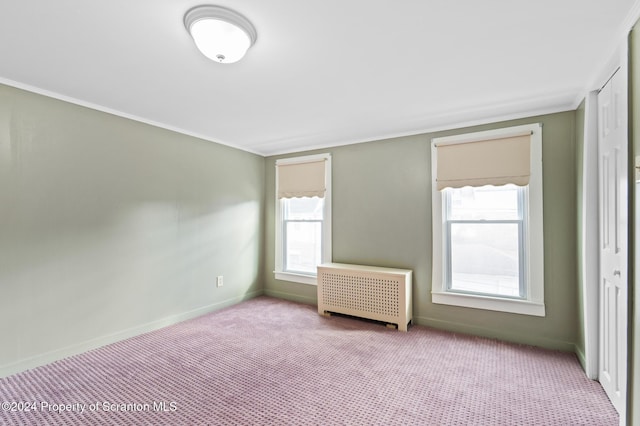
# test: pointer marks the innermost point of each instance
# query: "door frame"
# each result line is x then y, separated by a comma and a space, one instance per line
590, 237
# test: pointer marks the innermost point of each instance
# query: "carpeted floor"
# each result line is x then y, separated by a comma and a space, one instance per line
273, 362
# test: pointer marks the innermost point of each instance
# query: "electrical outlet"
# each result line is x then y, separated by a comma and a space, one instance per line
219, 281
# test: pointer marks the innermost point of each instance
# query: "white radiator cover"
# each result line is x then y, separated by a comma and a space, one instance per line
381, 294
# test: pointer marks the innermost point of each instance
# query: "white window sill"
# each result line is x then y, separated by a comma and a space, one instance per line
524, 307
296, 278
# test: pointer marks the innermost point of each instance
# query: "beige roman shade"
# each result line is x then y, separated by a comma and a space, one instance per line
297, 180
496, 162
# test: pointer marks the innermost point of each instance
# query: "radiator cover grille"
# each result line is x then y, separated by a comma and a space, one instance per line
364, 293
382, 294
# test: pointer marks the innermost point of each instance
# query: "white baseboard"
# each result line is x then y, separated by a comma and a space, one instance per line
78, 348
581, 357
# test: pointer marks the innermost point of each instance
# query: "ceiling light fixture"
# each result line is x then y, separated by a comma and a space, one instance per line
221, 34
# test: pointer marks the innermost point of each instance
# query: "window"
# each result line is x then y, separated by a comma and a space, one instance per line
303, 217
302, 234
485, 240
487, 220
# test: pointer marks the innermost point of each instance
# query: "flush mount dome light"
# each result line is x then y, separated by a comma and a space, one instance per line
221, 34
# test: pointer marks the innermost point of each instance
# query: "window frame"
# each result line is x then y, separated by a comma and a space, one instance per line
300, 277
533, 303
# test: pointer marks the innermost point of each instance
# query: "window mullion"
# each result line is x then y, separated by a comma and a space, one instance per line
487, 221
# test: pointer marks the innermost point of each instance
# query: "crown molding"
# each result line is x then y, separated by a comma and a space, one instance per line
75, 101
615, 55
431, 123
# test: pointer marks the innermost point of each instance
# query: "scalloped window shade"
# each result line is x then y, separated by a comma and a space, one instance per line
484, 162
301, 180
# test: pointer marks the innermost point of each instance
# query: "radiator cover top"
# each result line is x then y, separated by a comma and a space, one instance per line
382, 294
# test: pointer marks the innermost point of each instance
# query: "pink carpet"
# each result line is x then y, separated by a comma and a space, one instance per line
273, 362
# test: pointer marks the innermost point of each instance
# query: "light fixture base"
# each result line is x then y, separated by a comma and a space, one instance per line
198, 13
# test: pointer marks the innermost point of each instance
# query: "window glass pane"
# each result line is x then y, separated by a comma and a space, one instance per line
302, 208
485, 258
484, 203
303, 246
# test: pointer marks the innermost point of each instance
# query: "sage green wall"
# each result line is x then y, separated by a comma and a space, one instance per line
110, 227
382, 216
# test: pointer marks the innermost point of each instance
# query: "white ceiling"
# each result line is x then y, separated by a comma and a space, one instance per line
322, 72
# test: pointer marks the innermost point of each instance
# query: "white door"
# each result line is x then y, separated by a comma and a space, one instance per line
613, 181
